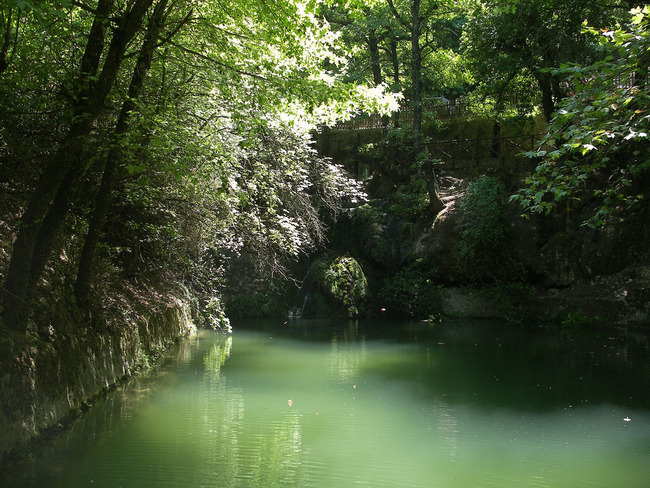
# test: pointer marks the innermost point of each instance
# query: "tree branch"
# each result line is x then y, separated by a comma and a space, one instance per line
164, 40
216, 62
84, 7
397, 15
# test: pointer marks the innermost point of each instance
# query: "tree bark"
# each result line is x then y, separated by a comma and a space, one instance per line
548, 106
427, 169
20, 275
375, 64
49, 203
8, 26
416, 69
396, 71
103, 198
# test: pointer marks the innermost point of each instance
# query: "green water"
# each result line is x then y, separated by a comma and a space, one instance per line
327, 404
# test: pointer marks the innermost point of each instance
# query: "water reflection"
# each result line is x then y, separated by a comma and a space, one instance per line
216, 356
347, 355
322, 405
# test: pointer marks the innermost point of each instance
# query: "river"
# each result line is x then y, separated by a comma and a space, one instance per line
343, 404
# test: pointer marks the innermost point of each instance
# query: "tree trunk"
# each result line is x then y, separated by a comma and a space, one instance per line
375, 59
103, 198
50, 229
545, 86
8, 27
427, 169
495, 150
375, 64
21, 276
416, 68
396, 80
33, 247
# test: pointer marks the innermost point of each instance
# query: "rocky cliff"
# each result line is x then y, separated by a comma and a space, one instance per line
483, 257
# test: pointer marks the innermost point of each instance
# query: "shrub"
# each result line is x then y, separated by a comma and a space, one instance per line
216, 315
483, 230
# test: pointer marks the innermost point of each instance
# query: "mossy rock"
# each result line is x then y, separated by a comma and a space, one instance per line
337, 287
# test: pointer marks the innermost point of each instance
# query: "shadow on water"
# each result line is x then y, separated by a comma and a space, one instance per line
493, 365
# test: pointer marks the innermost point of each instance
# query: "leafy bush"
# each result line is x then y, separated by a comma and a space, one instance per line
597, 139
216, 315
483, 230
410, 201
368, 222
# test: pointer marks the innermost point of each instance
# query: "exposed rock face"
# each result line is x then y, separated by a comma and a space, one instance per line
48, 383
556, 261
468, 303
576, 270
623, 297
573, 269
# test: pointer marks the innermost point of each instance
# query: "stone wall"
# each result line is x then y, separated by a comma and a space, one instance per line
466, 146
46, 384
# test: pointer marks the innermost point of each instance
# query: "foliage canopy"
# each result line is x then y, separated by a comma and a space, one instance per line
156, 140
160, 140
597, 143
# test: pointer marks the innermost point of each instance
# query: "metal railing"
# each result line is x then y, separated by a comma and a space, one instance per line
404, 116
482, 148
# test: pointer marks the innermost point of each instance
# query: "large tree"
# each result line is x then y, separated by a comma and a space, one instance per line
408, 45
96, 73
515, 43
153, 109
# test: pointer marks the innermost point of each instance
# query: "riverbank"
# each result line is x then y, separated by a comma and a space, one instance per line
47, 382
622, 299
479, 257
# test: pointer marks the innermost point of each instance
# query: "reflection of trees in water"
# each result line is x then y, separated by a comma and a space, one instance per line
130, 395
192, 423
217, 355
447, 424
347, 354
248, 448
221, 414
277, 455
536, 370
186, 350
